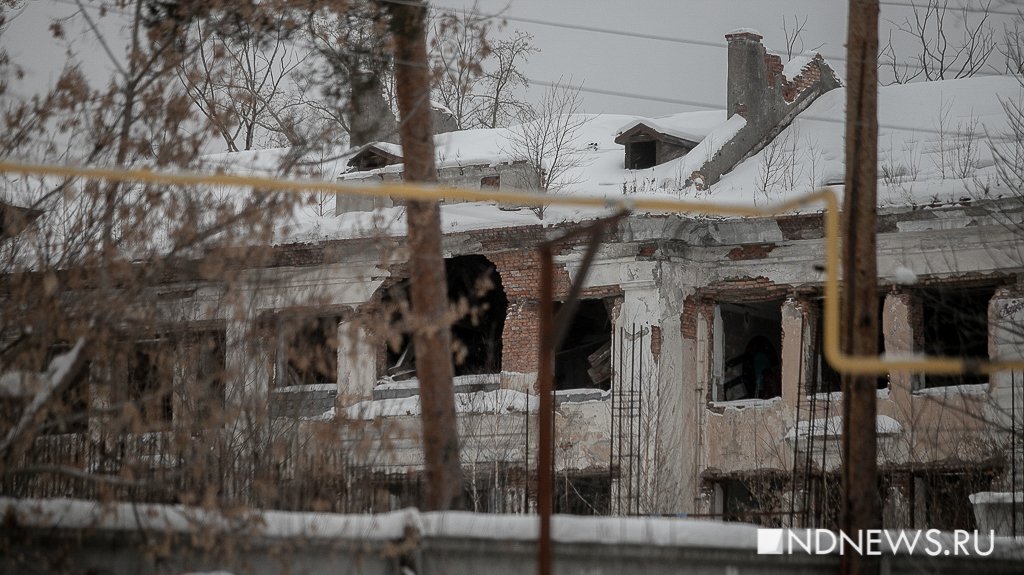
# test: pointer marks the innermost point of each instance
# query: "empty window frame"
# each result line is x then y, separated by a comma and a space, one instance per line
150, 386
584, 360
748, 347
825, 379
71, 413
307, 350
754, 499
940, 499
490, 182
583, 494
476, 292
203, 361
954, 322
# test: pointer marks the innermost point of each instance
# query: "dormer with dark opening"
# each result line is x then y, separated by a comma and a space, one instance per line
376, 155
646, 146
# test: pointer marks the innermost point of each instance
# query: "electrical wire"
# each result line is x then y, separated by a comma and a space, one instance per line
958, 8
654, 37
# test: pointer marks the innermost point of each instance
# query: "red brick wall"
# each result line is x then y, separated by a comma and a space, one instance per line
519, 338
514, 255
520, 277
808, 77
773, 65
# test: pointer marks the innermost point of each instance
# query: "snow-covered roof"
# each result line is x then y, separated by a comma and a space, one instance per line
934, 148
691, 126
386, 147
934, 145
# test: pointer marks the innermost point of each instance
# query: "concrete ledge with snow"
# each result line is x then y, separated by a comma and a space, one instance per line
76, 536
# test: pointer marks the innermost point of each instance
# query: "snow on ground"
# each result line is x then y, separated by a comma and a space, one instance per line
81, 514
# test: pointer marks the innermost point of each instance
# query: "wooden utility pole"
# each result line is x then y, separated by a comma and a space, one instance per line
860, 280
428, 288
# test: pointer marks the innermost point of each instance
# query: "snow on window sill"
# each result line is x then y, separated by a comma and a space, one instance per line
946, 390
581, 395
742, 403
836, 396
306, 388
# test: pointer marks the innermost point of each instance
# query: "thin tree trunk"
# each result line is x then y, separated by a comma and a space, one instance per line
428, 287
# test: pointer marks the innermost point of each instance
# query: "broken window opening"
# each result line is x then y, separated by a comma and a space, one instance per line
71, 413
825, 379
748, 361
205, 388
490, 182
476, 292
151, 382
584, 360
307, 351
954, 323
641, 155
940, 499
583, 494
753, 499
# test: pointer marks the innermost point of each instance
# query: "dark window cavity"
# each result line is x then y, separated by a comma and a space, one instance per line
751, 335
476, 294
954, 322
584, 358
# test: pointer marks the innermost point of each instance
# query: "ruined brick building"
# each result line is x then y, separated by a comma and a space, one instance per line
692, 380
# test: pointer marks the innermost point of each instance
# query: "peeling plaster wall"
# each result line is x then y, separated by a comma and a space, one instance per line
742, 439
1006, 341
667, 272
753, 256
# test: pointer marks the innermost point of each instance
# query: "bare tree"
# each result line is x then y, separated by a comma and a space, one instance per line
501, 81
940, 50
778, 167
1011, 47
352, 68
794, 35
240, 80
546, 136
458, 47
476, 77
82, 320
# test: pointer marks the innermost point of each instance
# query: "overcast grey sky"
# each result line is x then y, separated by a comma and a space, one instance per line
657, 68
646, 67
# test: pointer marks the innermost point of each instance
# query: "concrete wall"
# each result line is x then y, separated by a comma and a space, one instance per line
666, 273
941, 428
424, 544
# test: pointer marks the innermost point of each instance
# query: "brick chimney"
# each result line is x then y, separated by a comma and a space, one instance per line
754, 76
758, 91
